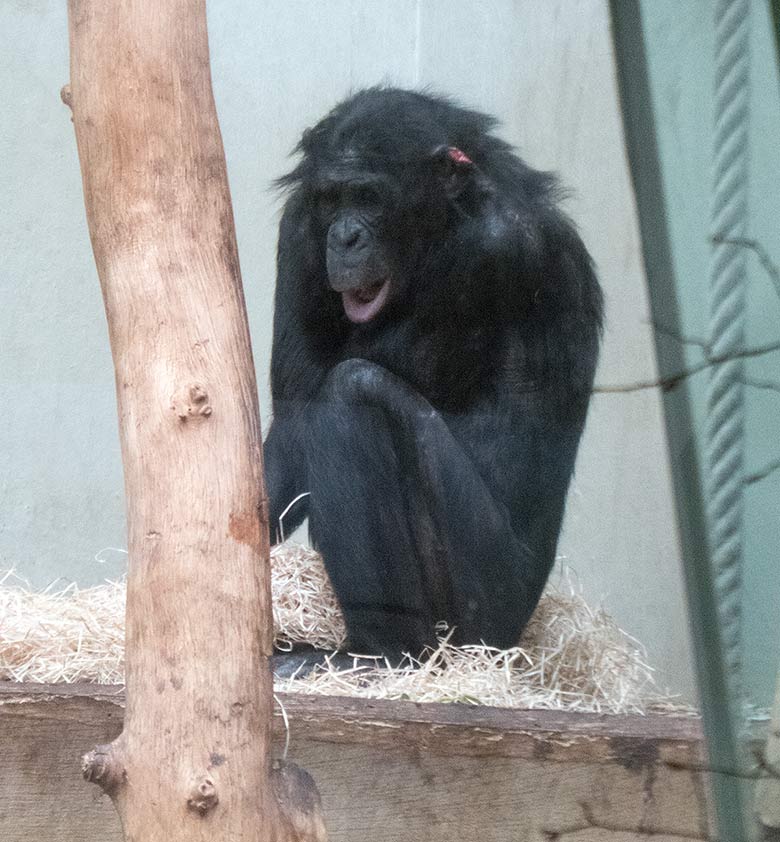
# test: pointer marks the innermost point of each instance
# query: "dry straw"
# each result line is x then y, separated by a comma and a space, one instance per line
571, 656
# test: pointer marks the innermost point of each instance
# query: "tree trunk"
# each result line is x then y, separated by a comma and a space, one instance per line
193, 762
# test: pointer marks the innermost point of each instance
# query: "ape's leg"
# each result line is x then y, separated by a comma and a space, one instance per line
409, 531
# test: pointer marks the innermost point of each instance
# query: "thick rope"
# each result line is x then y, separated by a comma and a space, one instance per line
725, 400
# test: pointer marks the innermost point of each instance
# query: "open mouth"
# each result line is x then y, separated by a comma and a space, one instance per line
361, 304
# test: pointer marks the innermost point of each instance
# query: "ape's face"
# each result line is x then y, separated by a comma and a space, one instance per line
353, 215
380, 203
376, 224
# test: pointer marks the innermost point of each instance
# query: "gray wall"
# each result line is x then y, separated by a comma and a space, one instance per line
544, 67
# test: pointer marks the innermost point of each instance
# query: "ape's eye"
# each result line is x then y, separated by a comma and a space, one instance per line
367, 196
328, 201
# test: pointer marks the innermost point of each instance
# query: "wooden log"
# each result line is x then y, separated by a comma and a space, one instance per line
395, 771
193, 760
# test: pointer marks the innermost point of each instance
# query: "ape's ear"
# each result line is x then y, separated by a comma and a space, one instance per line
455, 169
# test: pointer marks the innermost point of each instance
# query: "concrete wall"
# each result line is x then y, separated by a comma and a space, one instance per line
544, 67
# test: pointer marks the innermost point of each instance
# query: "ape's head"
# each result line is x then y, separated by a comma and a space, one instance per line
385, 185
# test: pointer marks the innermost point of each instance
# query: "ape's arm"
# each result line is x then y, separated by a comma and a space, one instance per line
299, 363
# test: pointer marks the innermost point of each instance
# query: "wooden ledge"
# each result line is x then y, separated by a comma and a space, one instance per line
447, 729
398, 771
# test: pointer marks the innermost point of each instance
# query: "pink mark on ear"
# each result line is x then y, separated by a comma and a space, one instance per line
454, 154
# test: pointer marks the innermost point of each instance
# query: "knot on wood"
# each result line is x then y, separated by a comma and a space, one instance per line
191, 401
101, 766
203, 795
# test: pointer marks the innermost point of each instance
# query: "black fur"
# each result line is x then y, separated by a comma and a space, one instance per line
437, 439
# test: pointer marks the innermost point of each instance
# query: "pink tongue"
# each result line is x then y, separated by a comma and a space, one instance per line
363, 303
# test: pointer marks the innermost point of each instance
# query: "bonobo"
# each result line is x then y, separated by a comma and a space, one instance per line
436, 329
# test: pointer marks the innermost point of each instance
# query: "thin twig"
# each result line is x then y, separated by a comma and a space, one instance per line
763, 255
763, 473
669, 382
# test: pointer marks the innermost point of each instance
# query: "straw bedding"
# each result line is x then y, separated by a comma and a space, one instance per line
571, 656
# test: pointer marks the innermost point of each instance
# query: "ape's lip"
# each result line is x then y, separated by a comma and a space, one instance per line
361, 304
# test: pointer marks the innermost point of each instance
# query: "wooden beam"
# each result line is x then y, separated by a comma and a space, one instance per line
396, 771
447, 729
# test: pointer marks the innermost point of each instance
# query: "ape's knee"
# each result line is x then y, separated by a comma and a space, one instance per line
354, 381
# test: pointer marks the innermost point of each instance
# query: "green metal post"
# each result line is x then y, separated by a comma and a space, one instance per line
717, 708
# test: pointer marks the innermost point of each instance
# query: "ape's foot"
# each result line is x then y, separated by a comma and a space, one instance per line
304, 659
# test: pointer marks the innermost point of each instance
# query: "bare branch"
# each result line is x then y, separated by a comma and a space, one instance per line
667, 383
758, 383
763, 473
684, 340
763, 255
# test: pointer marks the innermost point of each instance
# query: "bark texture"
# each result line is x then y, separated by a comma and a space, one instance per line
193, 761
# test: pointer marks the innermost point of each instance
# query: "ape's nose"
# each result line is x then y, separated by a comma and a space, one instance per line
348, 235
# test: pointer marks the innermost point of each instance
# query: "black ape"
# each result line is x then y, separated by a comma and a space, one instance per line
435, 337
